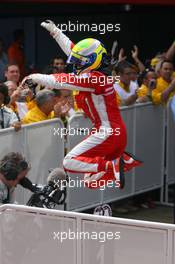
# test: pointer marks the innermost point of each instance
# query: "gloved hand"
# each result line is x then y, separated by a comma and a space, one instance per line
51, 27
27, 184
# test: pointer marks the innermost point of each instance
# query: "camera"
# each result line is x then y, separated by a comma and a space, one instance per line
52, 194
32, 86
47, 197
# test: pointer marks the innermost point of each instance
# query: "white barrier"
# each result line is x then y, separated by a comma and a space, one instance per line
33, 235
40, 145
145, 131
149, 146
43, 146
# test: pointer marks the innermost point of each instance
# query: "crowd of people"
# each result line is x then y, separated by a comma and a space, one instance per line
136, 82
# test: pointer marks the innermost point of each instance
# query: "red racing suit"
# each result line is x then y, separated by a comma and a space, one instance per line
107, 140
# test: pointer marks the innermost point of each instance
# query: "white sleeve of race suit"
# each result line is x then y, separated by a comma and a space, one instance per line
63, 41
53, 83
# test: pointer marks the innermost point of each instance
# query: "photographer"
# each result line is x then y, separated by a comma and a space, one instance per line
13, 171
148, 81
7, 117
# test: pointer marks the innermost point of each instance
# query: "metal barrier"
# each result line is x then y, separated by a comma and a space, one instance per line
170, 156
149, 146
41, 146
114, 194
34, 235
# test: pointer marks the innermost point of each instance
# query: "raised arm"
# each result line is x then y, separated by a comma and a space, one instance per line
61, 81
170, 52
135, 57
63, 41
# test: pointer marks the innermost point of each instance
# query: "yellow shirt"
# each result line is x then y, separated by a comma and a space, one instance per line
118, 99
75, 104
35, 115
161, 86
14, 108
31, 104
142, 91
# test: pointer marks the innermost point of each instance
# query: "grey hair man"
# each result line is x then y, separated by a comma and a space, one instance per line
43, 110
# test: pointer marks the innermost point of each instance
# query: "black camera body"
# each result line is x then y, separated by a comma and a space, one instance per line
47, 196
32, 86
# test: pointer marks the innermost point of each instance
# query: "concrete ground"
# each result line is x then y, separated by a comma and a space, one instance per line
162, 214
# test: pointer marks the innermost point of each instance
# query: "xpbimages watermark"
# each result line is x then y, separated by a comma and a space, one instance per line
84, 183
101, 28
87, 78
101, 237
101, 132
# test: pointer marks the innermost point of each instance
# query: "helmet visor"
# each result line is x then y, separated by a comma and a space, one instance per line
77, 59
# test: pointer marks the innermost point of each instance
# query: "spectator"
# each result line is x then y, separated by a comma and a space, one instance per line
148, 83
161, 56
21, 99
15, 51
126, 89
57, 65
165, 87
11, 87
3, 61
7, 117
43, 110
134, 54
12, 73
65, 104
14, 94
67, 95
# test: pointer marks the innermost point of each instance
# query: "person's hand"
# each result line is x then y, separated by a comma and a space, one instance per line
50, 26
14, 97
57, 110
65, 108
62, 108
173, 83
152, 84
135, 52
17, 126
143, 99
131, 99
26, 93
71, 101
121, 55
134, 96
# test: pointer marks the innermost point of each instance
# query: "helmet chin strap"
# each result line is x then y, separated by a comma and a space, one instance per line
81, 70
